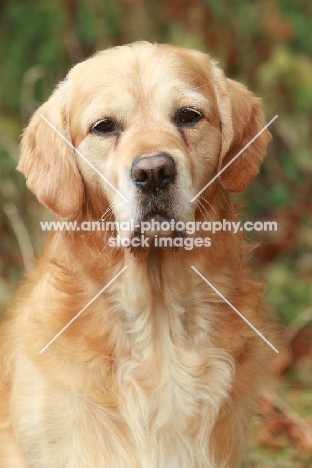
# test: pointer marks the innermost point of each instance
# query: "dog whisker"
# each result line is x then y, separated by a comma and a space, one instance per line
202, 208
215, 212
106, 216
228, 204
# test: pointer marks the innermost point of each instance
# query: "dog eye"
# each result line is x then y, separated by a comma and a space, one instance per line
188, 116
104, 127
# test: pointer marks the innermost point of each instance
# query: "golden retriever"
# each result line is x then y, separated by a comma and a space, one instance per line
158, 371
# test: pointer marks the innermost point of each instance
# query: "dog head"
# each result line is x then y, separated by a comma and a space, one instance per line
147, 123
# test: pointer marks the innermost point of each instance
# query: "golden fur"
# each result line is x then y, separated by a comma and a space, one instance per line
158, 372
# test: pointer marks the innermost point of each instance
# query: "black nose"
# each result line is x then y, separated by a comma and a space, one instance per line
153, 172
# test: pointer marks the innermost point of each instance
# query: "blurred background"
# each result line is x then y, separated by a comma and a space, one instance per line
266, 44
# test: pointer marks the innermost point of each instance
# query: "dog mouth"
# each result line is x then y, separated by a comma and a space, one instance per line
154, 227
156, 217
154, 176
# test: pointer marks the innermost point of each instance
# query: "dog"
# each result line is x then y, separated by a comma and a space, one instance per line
158, 370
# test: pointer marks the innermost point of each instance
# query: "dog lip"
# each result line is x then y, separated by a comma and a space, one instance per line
160, 215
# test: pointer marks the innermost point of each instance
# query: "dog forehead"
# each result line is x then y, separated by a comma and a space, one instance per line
141, 68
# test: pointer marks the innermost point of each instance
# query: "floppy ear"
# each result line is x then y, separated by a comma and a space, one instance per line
48, 162
242, 118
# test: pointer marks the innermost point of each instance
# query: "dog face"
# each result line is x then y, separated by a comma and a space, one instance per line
157, 121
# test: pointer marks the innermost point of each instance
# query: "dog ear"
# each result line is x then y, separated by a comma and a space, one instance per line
242, 118
48, 162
